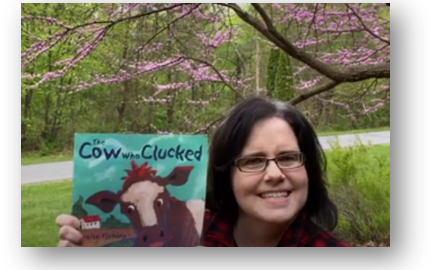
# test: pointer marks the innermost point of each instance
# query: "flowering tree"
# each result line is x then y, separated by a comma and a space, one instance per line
90, 35
364, 53
197, 55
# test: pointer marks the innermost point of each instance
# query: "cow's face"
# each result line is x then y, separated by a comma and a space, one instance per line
143, 201
146, 204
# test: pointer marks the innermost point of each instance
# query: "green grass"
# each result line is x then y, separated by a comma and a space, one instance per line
382, 150
40, 206
332, 133
42, 203
36, 158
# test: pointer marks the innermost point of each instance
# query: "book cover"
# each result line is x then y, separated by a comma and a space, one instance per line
140, 190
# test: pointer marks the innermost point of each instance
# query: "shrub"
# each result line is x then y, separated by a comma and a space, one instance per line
359, 184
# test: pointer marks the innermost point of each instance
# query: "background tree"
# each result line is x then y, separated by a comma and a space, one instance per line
178, 67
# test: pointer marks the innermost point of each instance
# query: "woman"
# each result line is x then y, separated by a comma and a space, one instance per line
266, 182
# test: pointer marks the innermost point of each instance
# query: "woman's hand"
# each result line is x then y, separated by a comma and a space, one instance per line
69, 233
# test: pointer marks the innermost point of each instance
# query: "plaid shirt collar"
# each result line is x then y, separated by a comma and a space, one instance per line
218, 232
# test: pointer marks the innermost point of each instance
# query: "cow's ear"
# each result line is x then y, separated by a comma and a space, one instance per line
178, 176
104, 200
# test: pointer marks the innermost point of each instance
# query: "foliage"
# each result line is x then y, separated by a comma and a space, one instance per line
359, 178
152, 68
111, 222
78, 209
284, 86
272, 68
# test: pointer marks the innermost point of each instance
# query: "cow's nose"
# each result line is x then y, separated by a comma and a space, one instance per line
144, 238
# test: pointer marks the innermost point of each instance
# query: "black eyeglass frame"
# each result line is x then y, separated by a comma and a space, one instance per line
275, 160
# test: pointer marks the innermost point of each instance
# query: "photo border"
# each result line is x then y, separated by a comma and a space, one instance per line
408, 188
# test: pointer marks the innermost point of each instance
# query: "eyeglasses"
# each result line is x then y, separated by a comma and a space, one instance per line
286, 161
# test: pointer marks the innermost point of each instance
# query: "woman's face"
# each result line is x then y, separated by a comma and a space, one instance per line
272, 195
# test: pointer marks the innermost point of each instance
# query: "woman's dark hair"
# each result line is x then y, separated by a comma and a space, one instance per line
230, 138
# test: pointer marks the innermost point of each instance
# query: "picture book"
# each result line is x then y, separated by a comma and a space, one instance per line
140, 190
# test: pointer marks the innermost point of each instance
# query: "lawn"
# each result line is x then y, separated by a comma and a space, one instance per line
36, 158
42, 203
331, 133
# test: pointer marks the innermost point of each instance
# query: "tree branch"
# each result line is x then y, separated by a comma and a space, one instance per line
167, 26
322, 88
367, 28
218, 73
208, 126
350, 74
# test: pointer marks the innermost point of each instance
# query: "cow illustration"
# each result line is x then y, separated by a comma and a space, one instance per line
157, 218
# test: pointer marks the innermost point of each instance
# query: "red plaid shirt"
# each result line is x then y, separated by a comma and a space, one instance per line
302, 233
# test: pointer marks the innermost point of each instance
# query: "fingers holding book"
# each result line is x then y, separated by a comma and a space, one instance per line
69, 233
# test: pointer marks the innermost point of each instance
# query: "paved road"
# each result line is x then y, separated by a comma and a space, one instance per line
64, 170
